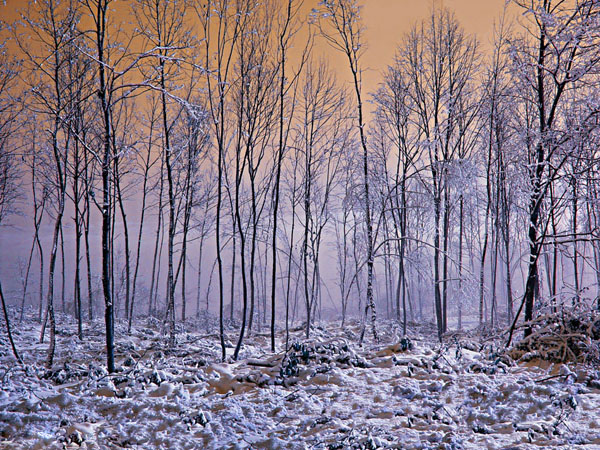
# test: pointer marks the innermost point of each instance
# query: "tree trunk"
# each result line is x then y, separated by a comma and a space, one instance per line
8, 331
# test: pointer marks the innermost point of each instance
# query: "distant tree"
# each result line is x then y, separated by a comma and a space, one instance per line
31, 159
344, 227
192, 143
78, 93
50, 78
341, 26
221, 30
439, 60
148, 160
167, 38
9, 170
322, 135
256, 101
497, 111
288, 27
395, 115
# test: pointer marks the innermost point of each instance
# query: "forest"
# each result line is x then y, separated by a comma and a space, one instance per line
233, 243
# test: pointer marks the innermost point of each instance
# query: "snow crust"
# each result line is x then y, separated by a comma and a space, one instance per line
325, 393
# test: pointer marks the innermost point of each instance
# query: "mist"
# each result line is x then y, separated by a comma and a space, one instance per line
186, 165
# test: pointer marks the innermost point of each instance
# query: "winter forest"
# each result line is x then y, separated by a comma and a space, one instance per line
233, 241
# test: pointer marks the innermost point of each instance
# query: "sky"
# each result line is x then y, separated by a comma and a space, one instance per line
386, 22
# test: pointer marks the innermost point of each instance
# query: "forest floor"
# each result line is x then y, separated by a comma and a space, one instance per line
325, 393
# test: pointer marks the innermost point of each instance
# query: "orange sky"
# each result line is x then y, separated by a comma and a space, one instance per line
386, 21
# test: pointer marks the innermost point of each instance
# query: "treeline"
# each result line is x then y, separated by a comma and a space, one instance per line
465, 184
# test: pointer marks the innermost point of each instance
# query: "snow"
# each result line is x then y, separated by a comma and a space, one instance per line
325, 393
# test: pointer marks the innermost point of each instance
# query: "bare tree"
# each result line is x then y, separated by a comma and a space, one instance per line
221, 32
344, 33
55, 28
78, 93
164, 28
256, 120
287, 29
9, 172
322, 136
114, 63
147, 163
395, 114
439, 61
556, 53
39, 204
193, 141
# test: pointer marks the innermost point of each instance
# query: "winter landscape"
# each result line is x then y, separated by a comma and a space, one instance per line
304, 224
323, 393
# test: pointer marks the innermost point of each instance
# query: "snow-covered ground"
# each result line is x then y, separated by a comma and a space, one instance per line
326, 393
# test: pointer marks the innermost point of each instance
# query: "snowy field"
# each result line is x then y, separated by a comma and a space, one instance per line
326, 393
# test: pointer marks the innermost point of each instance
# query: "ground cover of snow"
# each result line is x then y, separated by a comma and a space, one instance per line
325, 393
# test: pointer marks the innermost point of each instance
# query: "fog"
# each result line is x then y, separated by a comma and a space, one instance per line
390, 167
